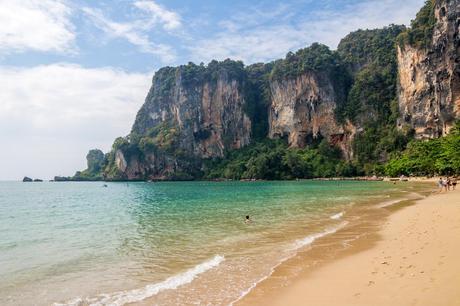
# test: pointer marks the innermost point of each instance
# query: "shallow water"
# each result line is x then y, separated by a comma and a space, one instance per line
169, 243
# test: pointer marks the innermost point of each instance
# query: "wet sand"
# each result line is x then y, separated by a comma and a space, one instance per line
408, 255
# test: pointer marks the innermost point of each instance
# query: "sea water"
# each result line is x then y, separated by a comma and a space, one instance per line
165, 243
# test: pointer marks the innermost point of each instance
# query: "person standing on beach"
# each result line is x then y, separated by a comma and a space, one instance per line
440, 184
454, 182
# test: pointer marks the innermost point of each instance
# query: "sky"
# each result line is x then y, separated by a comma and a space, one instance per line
74, 73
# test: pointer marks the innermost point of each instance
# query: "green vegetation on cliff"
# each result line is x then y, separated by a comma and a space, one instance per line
257, 96
317, 57
420, 33
194, 75
370, 55
428, 157
372, 104
370, 47
375, 144
274, 160
95, 163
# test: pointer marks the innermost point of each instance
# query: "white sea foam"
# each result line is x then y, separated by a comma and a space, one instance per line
337, 216
136, 295
297, 245
390, 203
311, 238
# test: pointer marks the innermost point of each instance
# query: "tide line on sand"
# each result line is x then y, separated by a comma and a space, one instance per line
311, 238
298, 244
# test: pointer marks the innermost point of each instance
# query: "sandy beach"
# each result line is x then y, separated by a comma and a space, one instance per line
411, 259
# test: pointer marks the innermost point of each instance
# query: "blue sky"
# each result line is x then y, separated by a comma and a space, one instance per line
73, 73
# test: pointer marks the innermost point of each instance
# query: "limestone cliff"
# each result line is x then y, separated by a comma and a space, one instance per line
429, 74
303, 108
303, 101
191, 112
208, 113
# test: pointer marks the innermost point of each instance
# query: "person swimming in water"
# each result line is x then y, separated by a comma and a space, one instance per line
247, 220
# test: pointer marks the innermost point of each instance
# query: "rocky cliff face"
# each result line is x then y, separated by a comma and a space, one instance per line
191, 112
304, 100
303, 109
208, 113
429, 76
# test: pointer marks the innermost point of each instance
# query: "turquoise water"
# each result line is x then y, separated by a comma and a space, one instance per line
170, 243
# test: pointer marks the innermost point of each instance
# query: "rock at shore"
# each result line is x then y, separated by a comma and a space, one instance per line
27, 179
62, 179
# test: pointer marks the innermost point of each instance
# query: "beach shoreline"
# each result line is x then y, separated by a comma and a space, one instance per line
406, 255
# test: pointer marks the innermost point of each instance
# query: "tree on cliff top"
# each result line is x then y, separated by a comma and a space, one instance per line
317, 57
420, 33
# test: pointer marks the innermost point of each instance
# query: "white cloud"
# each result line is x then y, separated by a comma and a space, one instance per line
170, 19
137, 31
41, 25
50, 116
259, 45
267, 35
329, 27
